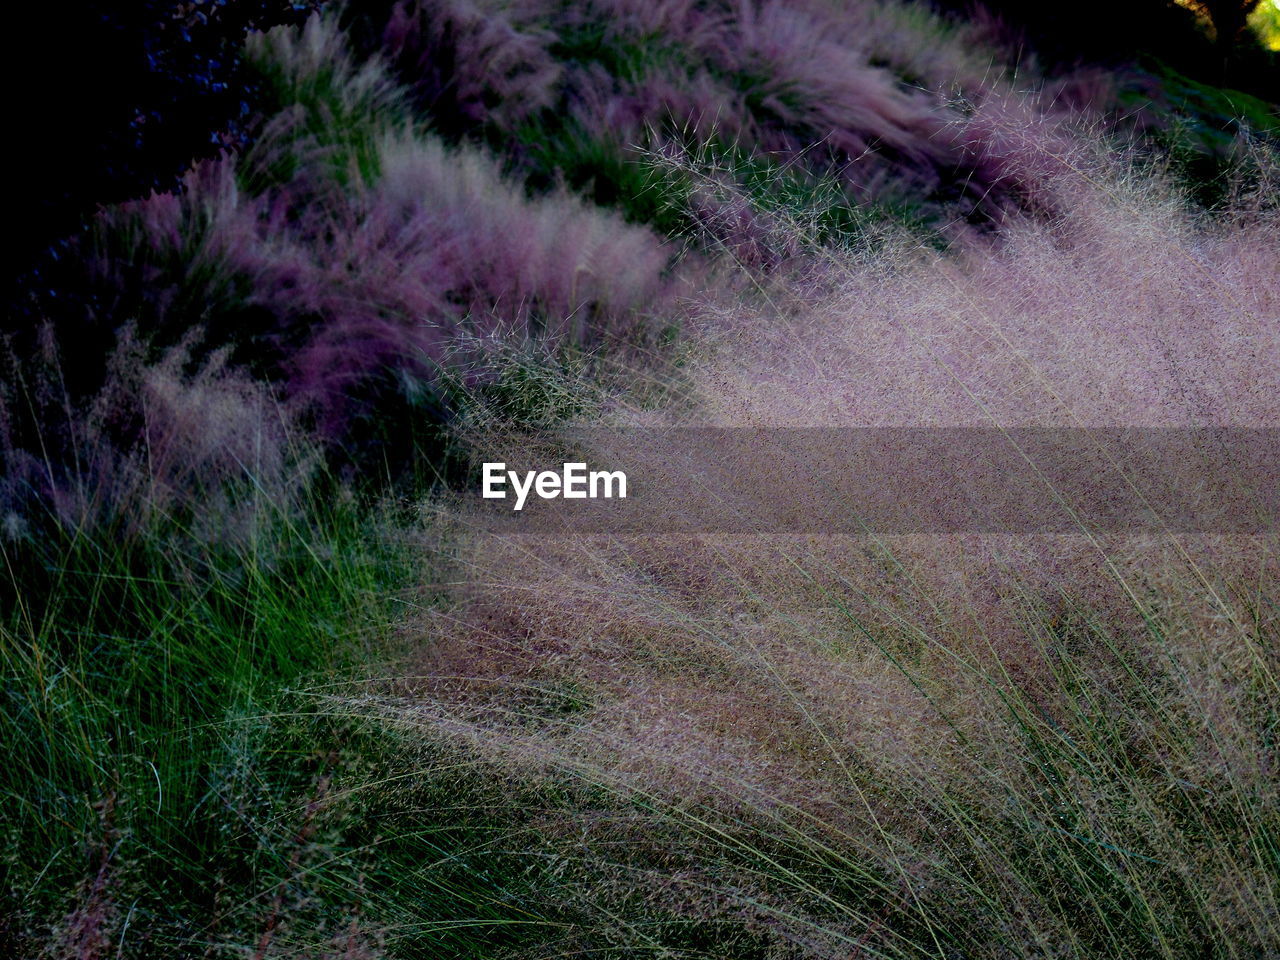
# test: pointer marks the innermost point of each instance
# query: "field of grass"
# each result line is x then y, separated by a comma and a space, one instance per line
269, 692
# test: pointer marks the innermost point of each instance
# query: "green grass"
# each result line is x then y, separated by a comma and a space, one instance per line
194, 761
1206, 131
326, 111
143, 671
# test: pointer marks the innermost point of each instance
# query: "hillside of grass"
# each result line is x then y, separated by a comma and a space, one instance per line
270, 691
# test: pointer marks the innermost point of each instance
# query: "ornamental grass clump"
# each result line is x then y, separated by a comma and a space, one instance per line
920, 744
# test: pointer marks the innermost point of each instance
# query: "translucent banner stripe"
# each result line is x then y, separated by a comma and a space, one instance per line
882, 480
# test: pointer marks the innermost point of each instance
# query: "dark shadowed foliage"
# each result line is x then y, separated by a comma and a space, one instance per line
117, 99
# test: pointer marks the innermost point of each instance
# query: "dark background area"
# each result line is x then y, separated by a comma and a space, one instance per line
117, 99
1114, 32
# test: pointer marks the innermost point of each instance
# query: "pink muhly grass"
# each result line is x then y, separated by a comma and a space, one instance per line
786, 78
471, 63
441, 251
158, 440
812, 83
421, 249
1124, 309
959, 721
